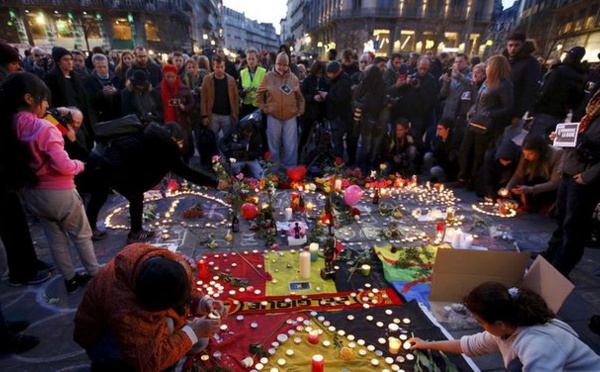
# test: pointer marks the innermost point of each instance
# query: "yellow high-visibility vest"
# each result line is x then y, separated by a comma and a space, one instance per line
249, 82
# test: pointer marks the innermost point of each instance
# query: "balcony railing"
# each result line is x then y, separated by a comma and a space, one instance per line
406, 13
156, 6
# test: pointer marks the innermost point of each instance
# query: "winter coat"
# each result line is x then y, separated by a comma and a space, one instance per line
548, 170
207, 97
310, 86
105, 107
272, 100
561, 90
339, 99
147, 340
182, 117
457, 90
496, 103
151, 69
141, 103
524, 73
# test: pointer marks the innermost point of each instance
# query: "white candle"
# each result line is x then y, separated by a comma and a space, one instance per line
314, 251
337, 185
305, 265
468, 241
288, 214
457, 239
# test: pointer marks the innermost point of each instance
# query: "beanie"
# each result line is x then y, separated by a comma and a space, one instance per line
577, 53
8, 54
282, 59
139, 77
333, 67
162, 284
58, 53
170, 68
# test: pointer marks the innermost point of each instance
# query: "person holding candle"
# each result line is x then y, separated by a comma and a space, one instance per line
518, 323
142, 312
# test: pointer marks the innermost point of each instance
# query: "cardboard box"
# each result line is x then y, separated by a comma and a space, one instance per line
458, 271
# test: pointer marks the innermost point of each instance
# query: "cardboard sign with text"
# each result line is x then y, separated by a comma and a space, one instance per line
458, 271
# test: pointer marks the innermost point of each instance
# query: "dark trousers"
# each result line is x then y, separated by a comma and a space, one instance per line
472, 153
339, 129
575, 205
14, 232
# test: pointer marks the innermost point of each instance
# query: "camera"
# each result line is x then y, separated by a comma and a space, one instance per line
174, 102
391, 100
413, 80
448, 71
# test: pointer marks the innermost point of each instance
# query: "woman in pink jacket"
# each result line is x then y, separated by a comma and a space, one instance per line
54, 200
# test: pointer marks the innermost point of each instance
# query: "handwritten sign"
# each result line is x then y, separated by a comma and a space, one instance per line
566, 135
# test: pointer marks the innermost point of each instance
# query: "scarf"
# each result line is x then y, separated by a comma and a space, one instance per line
168, 92
592, 111
104, 80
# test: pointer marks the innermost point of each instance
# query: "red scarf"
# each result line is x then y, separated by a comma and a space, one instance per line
168, 92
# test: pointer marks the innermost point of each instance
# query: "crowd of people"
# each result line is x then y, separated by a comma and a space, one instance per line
74, 124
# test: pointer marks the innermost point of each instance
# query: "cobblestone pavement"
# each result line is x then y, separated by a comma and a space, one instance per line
51, 311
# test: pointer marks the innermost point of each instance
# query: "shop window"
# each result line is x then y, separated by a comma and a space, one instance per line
151, 30
37, 25
92, 27
407, 41
121, 29
64, 28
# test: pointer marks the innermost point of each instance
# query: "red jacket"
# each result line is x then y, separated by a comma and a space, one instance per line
144, 338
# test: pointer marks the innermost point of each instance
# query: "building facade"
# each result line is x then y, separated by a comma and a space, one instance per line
387, 26
161, 25
558, 25
240, 33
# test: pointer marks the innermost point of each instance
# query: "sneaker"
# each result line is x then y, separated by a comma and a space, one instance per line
72, 285
17, 343
17, 326
83, 279
41, 265
40, 277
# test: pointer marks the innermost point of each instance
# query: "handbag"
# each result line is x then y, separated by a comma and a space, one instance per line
479, 123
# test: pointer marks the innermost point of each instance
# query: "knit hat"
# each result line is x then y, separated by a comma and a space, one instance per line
333, 67
139, 77
282, 59
8, 54
170, 68
577, 53
58, 53
162, 284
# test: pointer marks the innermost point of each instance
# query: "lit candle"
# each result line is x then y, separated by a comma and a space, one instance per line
202, 267
310, 206
318, 363
337, 184
468, 241
313, 336
450, 213
394, 345
366, 270
314, 251
288, 214
457, 239
305, 264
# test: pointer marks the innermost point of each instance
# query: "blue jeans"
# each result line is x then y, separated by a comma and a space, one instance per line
253, 166
282, 136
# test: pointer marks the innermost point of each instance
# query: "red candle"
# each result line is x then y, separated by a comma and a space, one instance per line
202, 266
313, 336
318, 363
439, 228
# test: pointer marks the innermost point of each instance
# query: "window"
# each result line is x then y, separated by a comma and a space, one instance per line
91, 27
37, 25
407, 41
64, 28
122, 29
151, 30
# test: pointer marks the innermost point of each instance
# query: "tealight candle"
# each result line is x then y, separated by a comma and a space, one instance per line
366, 270
318, 363
313, 336
394, 345
337, 184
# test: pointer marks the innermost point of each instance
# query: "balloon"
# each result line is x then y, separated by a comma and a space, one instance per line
249, 211
296, 173
352, 195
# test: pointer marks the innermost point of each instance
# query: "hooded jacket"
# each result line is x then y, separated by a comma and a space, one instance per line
151, 69
51, 163
553, 346
272, 100
147, 340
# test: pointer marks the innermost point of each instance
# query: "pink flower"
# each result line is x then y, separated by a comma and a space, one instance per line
215, 158
275, 247
240, 176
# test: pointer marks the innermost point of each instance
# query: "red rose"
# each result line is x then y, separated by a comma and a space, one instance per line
339, 161
267, 156
355, 212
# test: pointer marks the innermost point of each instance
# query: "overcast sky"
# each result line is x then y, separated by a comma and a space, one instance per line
272, 11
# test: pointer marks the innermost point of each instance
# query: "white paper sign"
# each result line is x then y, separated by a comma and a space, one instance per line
566, 135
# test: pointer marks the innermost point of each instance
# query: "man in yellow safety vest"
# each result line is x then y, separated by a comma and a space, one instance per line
250, 79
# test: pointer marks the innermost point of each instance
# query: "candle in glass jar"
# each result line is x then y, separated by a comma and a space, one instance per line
366, 270
313, 336
394, 345
310, 206
288, 214
314, 251
318, 363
